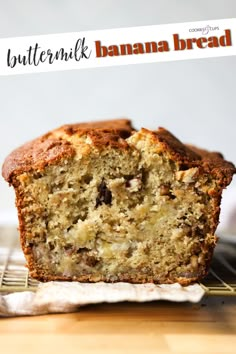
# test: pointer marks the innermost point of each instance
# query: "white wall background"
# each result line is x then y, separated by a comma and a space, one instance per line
194, 99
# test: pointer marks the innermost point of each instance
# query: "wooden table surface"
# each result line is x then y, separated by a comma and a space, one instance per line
157, 327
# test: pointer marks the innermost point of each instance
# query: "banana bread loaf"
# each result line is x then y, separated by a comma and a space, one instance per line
103, 202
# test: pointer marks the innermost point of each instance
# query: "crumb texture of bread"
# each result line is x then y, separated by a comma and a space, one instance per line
103, 202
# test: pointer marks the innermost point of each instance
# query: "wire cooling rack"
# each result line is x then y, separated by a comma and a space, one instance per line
221, 279
14, 276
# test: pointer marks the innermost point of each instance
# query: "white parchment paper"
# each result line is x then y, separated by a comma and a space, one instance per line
58, 297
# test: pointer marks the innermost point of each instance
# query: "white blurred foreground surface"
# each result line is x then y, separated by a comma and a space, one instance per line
58, 297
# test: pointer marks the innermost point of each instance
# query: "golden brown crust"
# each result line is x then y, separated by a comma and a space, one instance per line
56, 144
51, 147
121, 125
215, 164
190, 156
108, 137
35, 155
177, 150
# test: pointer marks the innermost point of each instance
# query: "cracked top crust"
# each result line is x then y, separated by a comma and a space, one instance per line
59, 143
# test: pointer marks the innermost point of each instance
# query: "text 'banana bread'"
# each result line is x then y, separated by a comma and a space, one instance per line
102, 202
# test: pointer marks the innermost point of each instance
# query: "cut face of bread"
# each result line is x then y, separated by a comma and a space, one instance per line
111, 204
